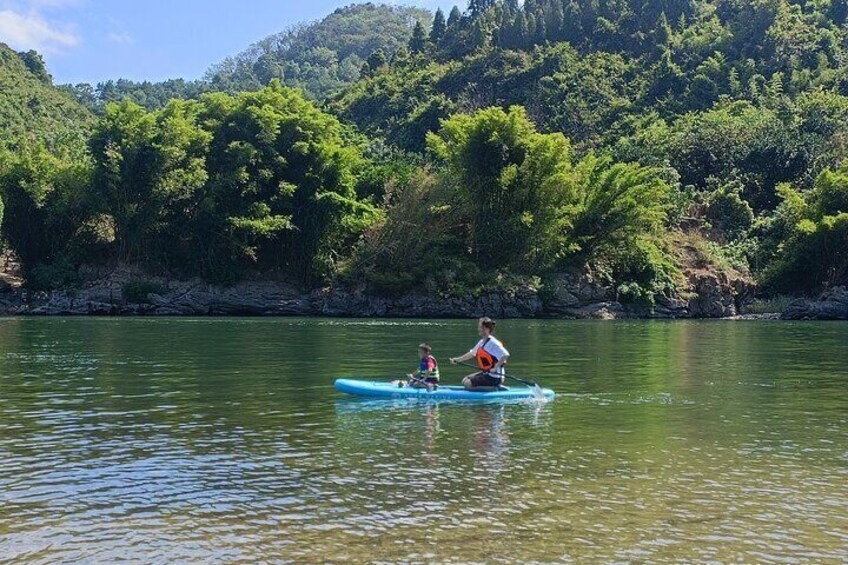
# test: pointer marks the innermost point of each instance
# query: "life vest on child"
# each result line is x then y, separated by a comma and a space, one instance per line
429, 363
485, 360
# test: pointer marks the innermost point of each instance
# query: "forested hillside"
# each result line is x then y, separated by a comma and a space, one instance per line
32, 110
319, 58
740, 104
506, 142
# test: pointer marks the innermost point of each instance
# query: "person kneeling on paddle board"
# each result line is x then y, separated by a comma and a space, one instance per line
491, 356
427, 375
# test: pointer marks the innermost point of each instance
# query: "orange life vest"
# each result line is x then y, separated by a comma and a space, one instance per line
485, 360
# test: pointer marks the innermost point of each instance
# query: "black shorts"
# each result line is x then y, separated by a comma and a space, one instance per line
485, 379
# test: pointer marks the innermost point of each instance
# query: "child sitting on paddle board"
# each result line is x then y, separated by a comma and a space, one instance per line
491, 356
427, 374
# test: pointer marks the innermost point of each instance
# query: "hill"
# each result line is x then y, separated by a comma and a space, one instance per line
742, 104
31, 108
654, 145
320, 58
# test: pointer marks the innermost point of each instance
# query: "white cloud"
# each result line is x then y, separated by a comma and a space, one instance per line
121, 38
32, 31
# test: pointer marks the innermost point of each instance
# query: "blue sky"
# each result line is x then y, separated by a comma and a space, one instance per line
95, 40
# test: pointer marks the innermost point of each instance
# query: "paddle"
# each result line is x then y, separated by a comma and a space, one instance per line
421, 380
538, 392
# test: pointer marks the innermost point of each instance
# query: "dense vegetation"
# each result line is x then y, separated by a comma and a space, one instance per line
260, 179
733, 100
31, 110
509, 140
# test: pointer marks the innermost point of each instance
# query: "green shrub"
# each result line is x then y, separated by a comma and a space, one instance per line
728, 212
807, 237
59, 275
138, 292
644, 271
815, 258
617, 204
391, 284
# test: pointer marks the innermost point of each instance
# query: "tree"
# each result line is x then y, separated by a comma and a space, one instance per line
531, 29
529, 207
572, 19
667, 78
541, 35
437, 32
45, 204
663, 34
810, 237
418, 42
555, 21
35, 63
376, 61
454, 18
728, 212
267, 68
281, 186
513, 179
830, 194
617, 203
839, 11
148, 166
479, 36
262, 178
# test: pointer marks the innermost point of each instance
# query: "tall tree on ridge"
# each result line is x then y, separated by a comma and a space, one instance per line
418, 42
541, 35
555, 21
439, 26
454, 18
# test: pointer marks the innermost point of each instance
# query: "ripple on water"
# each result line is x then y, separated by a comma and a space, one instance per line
115, 444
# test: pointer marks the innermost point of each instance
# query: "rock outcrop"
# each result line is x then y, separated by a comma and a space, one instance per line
715, 295
576, 294
832, 305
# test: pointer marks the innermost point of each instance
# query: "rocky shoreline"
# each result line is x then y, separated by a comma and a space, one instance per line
831, 305
570, 295
567, 296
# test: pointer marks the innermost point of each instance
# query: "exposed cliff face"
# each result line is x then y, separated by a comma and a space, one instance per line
569, 295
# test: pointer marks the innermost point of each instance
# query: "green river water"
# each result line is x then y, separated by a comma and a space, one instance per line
223, 441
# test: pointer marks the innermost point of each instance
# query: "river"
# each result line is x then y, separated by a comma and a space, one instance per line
223, 441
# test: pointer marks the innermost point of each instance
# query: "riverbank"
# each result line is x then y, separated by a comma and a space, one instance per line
129, 291
577, 295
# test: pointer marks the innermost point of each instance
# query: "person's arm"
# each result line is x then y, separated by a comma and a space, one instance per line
501, 362
462, 359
